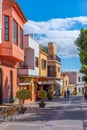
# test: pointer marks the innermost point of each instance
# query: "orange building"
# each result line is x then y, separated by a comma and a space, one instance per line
11, 49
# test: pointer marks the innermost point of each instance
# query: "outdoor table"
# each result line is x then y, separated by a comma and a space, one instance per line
7, 104
4, 107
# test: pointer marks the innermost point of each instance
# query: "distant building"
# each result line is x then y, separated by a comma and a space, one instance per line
76, 80
65, 82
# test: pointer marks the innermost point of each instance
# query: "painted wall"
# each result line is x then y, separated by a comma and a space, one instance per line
11, 48
52, 48
73, 79
7, 82
65, 81
43, 72
80, 82
16, 54
58, 65
34, 45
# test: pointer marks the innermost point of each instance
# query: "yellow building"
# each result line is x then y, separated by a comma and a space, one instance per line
54, 67
43, 64
54, 62
65, 82
43, 71
72, 88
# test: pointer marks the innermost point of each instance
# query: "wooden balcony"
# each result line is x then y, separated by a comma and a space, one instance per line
11, 53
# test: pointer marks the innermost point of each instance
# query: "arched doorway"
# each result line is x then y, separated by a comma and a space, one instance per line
1, 86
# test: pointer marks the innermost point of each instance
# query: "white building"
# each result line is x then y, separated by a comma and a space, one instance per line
33, 44
80, 82
0, 21
31, 61
76, 78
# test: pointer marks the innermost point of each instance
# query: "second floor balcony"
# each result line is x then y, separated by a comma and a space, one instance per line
54, 57
11, 53
52, 71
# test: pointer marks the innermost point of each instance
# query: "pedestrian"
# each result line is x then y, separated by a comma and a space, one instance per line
64, 94
68, 93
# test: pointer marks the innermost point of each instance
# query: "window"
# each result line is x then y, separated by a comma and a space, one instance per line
15, 32
58, 69
6, 28
36, 61
30, 60
51, 71
78, 79
66, 82
21, 38
43, 64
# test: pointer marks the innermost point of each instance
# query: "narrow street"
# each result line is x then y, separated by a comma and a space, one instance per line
58, 114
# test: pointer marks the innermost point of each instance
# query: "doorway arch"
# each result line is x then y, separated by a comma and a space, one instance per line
11, 84
1, 86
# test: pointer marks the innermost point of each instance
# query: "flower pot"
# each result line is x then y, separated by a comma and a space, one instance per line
49, 98
42, 105
22, 110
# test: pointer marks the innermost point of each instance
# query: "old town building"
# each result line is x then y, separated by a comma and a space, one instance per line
76, 83
54, 66
65, 82
28, 72
11, 48
0, 21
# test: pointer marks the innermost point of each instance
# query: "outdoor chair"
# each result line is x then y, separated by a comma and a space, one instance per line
21, 109
10, 112
1, 112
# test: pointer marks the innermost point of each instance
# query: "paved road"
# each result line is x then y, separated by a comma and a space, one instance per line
59, 114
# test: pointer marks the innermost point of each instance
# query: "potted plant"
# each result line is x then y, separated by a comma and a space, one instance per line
11, 100
50, 94
22, 95
42, 95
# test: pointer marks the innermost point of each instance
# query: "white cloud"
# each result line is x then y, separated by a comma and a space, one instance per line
61, 31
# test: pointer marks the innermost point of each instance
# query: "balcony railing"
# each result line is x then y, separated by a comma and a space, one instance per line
54, 57
22, 65
52, 71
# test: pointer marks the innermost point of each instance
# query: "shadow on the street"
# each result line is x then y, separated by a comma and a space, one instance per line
62, 110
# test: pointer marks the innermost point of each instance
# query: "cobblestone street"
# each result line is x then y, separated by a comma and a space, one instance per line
59, 114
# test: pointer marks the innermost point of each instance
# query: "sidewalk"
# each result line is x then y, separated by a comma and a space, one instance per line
58, 114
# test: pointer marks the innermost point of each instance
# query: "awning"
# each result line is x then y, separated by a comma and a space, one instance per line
50, 82
58, 82
23, 84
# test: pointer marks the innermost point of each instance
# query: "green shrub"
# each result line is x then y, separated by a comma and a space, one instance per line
50, 93
11, 100
42, 94
23, 94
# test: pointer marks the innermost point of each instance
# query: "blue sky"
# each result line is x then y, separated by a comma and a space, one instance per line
59, 21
